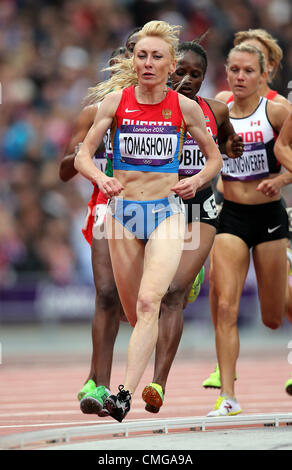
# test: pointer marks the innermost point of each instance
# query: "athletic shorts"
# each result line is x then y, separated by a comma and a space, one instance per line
94, 215
141, 218
254, 224
202, 208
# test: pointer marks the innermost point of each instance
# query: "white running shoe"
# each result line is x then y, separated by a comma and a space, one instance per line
225, 407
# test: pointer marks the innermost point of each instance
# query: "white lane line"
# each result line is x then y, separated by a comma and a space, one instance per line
37, 425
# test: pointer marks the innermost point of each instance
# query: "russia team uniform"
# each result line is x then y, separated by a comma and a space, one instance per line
147, 138
255, 223
191, 162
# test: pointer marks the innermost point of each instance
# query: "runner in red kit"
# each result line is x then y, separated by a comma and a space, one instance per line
145, 217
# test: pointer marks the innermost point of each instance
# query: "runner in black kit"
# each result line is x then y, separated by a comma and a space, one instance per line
268, 45
251, 218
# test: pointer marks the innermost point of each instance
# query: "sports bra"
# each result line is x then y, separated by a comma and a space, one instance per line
258, 159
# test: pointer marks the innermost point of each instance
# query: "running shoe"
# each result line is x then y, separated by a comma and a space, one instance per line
153, 396
88, 387
196, 287
225, 407
289, 258
214, 381
118, 405
288, 386
93, 401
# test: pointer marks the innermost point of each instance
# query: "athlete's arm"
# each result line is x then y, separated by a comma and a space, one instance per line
81, 127
83, 160
277, 115
229, 142
283, 151
282, 100
196, 126
223, 96
272, 186
283, 145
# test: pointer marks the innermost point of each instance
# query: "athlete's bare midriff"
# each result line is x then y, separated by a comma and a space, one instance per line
244, 192
149, 186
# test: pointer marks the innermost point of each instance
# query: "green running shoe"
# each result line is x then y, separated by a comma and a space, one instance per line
153, 396
88, 387
93, 401
288, 386
214, 381
196, 287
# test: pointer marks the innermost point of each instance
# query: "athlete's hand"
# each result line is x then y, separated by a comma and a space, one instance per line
234, 146
270, 187
186, 188
109, 186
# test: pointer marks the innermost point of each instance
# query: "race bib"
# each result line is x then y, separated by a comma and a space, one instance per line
210, 207
192, 160
147, 145
253, 164
108, 144
100, 161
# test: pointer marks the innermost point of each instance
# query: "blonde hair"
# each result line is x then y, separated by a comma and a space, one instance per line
123, 74
274, 50
251, 50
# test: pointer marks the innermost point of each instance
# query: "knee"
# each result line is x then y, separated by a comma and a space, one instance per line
174, 297
226, 314
107, 296
148, 304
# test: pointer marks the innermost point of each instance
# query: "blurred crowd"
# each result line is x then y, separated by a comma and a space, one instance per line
50, 53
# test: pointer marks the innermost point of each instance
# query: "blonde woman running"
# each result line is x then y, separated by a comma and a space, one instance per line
250, 219
273, 54
145, 218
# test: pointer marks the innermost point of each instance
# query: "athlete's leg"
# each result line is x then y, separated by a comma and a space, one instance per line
150, 271
106, 318
270, 257
289, 285
213, 300
230, 265
171, 317
289, 306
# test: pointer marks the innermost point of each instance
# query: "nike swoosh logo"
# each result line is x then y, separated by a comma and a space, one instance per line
131, 110
154, 211
271, 230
